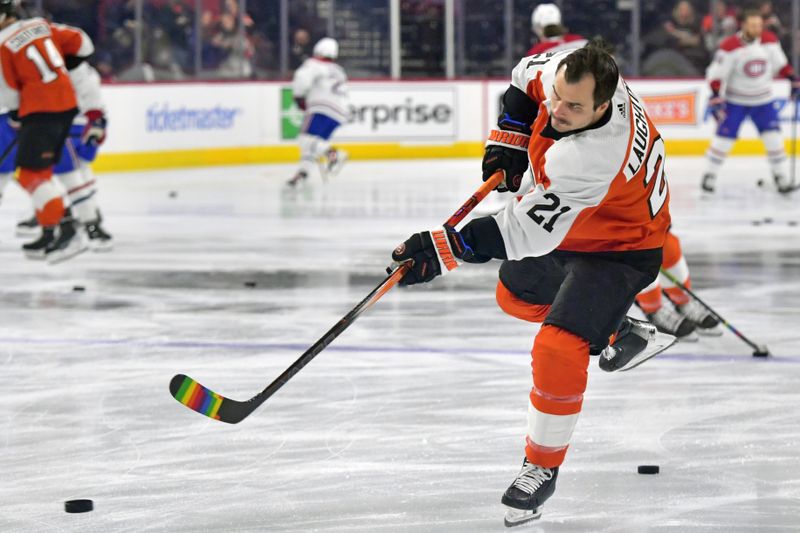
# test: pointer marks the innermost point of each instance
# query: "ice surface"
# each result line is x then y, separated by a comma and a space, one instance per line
414, 419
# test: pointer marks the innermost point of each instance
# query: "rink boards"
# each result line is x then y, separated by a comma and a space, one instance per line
198, 124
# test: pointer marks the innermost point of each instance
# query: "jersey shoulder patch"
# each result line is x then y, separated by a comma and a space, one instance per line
729, 44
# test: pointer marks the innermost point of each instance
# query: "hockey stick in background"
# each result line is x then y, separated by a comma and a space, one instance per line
207, 402
8, 149
758, 350
793, 159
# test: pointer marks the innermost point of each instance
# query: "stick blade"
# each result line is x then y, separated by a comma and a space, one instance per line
205, 401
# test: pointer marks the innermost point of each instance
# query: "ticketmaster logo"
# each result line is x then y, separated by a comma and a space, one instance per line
161, 118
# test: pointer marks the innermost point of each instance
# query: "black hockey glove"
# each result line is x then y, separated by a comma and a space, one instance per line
13, 119
511, 161
431, 253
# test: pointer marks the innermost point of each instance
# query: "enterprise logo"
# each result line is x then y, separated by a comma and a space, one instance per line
161, 118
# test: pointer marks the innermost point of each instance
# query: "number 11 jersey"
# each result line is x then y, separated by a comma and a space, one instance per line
34, 68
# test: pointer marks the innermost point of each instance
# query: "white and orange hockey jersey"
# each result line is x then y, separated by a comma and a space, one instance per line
34, 75
323, 84
599, 189
742, 72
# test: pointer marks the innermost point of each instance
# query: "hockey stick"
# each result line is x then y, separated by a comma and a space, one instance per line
8, 149
793, 170
207, 402
759, 350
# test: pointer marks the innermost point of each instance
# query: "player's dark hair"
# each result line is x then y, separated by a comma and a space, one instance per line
553, 30
748, 11
594, 59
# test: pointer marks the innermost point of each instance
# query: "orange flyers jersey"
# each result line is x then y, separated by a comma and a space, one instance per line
599, 189
35, 78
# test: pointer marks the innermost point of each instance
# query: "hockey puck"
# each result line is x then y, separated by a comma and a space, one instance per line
760, 183
792, 222
78, 506
756, 222
250, 284
78, 288
173, 194
767, 220
647, 469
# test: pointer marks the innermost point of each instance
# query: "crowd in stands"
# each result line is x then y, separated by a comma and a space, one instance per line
684, 43
679, 37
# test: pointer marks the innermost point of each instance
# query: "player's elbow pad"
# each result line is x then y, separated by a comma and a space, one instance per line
72, 62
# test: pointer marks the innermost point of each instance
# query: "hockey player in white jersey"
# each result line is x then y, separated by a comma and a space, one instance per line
576, 248
741, 78
320, 90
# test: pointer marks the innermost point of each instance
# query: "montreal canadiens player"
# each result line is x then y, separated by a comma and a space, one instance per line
546, 24
741, 79
320, 90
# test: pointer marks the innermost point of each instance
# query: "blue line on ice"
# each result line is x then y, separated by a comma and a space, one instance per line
263, 346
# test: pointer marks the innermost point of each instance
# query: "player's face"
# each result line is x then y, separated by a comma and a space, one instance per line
752, 27
572, 104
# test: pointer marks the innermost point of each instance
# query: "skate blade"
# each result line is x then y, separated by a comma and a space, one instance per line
101, 247
518, 517
35, 256
716, 331
69, 252
661, 342
28, 232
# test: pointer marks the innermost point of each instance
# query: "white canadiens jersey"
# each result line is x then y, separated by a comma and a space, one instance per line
323, 84
86, 81
600, 189
743, 72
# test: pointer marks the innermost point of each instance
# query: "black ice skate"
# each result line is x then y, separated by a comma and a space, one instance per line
784, 184
636, 342
298, 178
707, 323
68, 242
527, 494
99, 239
709, 182
28, 227
667, 320
36, 249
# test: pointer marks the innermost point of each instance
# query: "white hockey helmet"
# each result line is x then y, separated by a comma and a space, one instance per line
326, 47
545, 15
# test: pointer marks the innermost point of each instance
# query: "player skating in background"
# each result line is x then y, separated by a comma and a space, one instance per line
35, 57
319, 88
683, 315
552, 36
74, 170
741, 77
576, 249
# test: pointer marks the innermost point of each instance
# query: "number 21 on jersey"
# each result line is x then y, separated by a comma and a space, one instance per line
655, 171
46, 67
